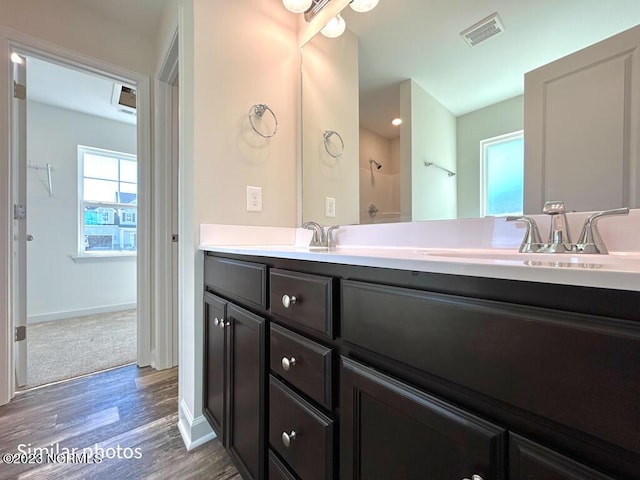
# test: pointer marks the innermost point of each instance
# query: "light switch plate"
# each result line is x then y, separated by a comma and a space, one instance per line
254, 199
329, 206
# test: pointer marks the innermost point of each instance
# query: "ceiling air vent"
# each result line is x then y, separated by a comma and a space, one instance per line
124, 98
484, 29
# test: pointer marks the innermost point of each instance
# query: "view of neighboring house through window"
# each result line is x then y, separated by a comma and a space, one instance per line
108, 194
502, 175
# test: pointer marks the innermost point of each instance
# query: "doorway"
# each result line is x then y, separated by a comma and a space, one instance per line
82, 230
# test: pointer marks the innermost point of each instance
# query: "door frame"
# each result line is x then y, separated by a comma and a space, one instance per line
165, 344
12, 40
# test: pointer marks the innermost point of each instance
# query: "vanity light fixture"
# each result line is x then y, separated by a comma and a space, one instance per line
396, 122
362, 6
297, 6
334, 27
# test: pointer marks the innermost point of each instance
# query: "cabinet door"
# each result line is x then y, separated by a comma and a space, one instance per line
215, 364
390, 430
530, 461
247, 362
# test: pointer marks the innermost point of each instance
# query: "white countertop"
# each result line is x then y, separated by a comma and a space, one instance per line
618, 270
621, 272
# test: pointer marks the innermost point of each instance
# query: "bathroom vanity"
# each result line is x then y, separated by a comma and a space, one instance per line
412, 364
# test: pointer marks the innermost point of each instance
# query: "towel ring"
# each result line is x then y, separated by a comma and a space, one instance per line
258, 110
327, 134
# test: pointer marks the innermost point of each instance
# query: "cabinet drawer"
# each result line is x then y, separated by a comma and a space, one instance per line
577, 370
308, 302
243, 281
301, 434
277, 469
529, 460
305, 364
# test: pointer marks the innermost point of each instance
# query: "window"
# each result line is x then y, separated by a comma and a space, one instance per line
108, 199
502, 175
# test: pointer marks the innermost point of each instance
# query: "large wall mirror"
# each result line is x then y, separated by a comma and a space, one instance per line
407, 59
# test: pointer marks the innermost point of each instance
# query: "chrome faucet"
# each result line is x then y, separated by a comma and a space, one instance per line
319, 239
590, 240
559, 237
559, 241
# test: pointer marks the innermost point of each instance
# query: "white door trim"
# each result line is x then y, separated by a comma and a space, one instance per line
10, 39
163, 305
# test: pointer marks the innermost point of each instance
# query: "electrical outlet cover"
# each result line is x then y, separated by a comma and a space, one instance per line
254, 199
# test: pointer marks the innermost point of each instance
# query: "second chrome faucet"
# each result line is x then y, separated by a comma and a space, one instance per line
321, 238
559, 240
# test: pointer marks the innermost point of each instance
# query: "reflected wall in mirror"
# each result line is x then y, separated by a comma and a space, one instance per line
407, 59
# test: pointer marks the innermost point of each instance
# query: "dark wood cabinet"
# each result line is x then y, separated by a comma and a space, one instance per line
234, 382
214, 406
440, 376
530, 461
392, 430
246, 391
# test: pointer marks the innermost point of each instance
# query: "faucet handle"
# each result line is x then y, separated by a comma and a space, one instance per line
331, 242
553, 207
590, 240
531, 242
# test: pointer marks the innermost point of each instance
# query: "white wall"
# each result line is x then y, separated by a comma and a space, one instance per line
232, 55
498, 119
433, 139
53, 135
330, 102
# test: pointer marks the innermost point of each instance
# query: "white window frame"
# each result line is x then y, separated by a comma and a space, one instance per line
82, 150
484, 145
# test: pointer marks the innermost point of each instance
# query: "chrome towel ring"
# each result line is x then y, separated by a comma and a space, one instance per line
258, 110
327, 134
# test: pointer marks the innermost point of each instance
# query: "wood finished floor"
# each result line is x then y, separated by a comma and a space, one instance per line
129, 407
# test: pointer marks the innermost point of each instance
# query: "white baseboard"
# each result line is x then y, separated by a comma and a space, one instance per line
50, 317
194, 431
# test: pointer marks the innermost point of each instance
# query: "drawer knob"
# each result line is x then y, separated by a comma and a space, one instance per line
287, 300
287, 363
287, 438
220, 323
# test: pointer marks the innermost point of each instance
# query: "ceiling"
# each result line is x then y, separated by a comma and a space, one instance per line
420, 40
85, 92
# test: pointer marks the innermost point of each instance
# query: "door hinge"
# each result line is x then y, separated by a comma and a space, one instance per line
21, 333
19, 91
19, 212
174, 238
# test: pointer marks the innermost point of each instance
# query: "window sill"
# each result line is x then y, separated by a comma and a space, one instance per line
99, 257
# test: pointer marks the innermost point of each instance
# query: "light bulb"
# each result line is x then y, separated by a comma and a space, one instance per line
297, 6
15, 58
396, 121
334, 27
362, 6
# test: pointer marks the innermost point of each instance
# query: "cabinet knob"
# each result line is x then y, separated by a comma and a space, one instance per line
221, 323
474, 477
216, 322
287, 363
287, 300
287, 438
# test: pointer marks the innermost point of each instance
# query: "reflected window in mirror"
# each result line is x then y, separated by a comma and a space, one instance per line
502, 168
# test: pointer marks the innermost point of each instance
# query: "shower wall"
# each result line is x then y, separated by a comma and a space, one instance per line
379, 189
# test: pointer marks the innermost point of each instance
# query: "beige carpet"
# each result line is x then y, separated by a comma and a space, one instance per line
77, 346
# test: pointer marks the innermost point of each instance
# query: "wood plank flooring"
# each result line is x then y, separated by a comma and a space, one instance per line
130, 408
